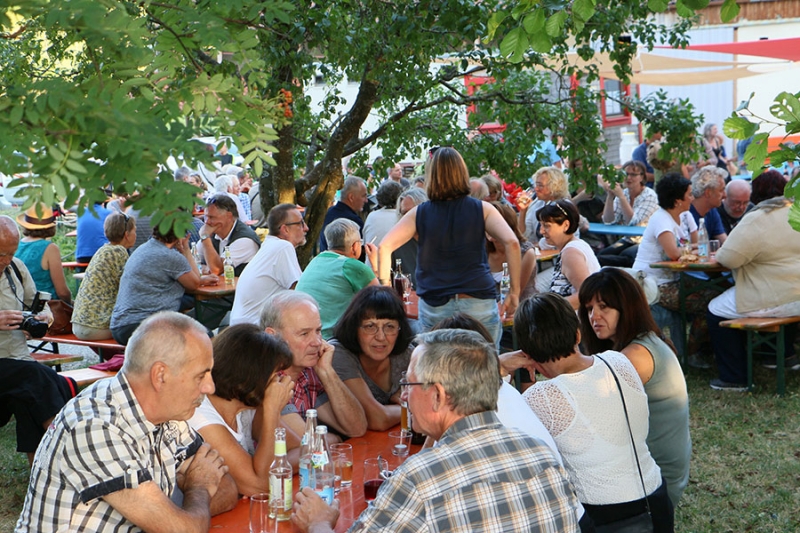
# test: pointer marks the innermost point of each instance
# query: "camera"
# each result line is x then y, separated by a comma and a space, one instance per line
36, 328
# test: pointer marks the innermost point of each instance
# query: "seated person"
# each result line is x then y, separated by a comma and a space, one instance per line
334, 276
595, 407
223, 228
294, 317
497, 254
42, 257
576, 259
615, 316
735, 204
371, 351
631, 206
156, 278
97, 295
708, 190
239, 418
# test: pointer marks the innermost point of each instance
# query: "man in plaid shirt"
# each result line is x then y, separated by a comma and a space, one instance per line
115, 455
481, 476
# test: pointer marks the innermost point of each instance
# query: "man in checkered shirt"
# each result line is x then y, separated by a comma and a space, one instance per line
481, 476
115, 455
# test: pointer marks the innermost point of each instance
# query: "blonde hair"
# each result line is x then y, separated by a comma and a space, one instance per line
556, 182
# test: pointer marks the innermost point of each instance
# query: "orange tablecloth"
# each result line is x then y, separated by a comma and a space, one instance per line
351, 500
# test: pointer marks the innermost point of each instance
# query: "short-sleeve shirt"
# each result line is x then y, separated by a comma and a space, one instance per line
651, 251
713, 222
149, 283
91, 236
98, 291
347, 366
333, 279
101, 443
13, 344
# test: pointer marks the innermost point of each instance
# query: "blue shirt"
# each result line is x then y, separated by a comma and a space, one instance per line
339, 210
90, 232
640, 154
713, 222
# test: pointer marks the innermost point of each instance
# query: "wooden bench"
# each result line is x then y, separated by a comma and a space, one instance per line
767, 332
55, 359
86, 376
111, 346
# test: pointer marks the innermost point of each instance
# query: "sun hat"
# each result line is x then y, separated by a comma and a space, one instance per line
30, 220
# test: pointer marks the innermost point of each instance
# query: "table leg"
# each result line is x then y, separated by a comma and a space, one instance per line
781, 361
682, 288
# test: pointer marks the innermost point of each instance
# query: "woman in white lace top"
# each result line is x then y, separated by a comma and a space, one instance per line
581, 406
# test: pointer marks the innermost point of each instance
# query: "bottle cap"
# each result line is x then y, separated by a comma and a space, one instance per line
322, 430
311, 412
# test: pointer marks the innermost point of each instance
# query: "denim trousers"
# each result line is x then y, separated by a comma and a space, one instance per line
484, 311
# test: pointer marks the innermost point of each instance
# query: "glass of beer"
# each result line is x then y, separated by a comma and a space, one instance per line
345, 452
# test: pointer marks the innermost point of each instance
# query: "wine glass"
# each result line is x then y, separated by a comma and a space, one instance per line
406, 290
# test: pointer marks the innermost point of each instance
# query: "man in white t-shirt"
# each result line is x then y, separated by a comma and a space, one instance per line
274, 267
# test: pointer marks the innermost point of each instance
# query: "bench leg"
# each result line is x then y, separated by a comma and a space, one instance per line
750, 340
781, 356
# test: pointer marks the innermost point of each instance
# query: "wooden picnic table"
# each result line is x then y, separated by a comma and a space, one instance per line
205, 293
351, 500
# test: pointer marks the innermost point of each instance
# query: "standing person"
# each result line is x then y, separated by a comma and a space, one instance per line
631, 206
334, 276
350, 205
713, 140
396, 175
372, 347
97, 295
114, 458
735, 204
614, 315
640, 154
482, 476
42, 257
576, 259
452, 268
90, 232
274, 267
582, 406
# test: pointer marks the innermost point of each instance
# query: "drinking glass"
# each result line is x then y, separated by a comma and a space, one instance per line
374, 469
259, 514
713, 246
345, 452
406, 290
401, 440
336, 459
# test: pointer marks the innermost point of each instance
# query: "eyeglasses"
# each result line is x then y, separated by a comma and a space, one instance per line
629, 174
404, 383
539, 185
388, 329
303, 222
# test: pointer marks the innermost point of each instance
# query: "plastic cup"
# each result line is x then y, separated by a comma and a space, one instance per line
401, 440
346, 451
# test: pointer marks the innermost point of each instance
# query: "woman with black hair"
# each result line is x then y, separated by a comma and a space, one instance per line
558, 223
614, 315
372, 343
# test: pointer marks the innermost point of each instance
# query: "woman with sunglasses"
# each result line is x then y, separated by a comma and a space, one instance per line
576, 260
372, 343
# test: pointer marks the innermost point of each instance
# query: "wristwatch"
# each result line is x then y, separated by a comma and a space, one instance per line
203, 237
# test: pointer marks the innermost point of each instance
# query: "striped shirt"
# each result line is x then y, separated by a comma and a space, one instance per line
101, 443
481, 477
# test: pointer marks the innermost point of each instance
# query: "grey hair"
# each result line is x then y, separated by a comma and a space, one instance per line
738, 184
341, 234
181, 173
351, 184
494, 184
464, 364
277, 217
483, 189
222, 184
706, 178
556, 181
161, 337
415, 193
276, 305
707, 129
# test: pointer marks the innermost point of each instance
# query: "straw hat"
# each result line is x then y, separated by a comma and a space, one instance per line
30, 220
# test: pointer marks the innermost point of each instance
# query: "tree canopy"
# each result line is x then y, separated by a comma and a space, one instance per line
98, 92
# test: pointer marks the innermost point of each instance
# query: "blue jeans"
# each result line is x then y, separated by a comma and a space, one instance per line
484, 311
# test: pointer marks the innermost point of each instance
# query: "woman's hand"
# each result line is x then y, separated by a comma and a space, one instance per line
279, 392
512, 361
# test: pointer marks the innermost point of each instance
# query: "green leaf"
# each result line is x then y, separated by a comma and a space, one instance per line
47, 195
737, 127
75, 166
756, 154
495, 20
658, 6
683, 10
534, 21
514, 45
15, 117
540, 42
786, 107
794, 215
695, 4
61, 191
555, 24
56, 153
744, 104
258, 166
729, 10
583, 9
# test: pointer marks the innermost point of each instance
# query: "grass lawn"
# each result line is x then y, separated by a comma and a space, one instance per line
745, 467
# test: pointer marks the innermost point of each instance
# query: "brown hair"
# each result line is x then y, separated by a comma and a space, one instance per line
447, 176
44, 233
510, 217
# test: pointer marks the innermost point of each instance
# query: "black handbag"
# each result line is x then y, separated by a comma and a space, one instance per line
641, 523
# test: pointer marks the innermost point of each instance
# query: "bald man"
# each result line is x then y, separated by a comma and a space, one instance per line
736, 203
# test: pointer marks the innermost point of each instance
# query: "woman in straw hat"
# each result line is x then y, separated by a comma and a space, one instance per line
42, 257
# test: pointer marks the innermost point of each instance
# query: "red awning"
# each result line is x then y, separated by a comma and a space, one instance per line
788, 49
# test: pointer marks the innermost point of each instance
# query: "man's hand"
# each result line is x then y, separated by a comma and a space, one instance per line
313, 514
325, 357
280, 390
204, 470
208, 229
209, 279
10, 320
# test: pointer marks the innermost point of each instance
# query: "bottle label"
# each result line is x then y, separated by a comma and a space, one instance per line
305, 439
319, 459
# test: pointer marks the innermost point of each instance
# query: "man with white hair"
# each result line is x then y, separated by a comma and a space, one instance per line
224, 185
351, 203
708, 189
115, 457
334, 276
736, 203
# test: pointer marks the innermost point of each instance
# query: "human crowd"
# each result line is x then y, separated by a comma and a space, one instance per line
597, 439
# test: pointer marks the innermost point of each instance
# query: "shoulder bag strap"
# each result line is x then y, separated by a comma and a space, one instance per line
630, 432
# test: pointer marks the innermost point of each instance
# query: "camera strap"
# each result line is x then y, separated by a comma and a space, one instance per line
14, 285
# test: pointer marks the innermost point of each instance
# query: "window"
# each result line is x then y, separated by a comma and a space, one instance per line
613, 112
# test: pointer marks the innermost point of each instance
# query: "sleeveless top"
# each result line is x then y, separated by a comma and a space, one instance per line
560, 284
668, 438
31, 254
452, 252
